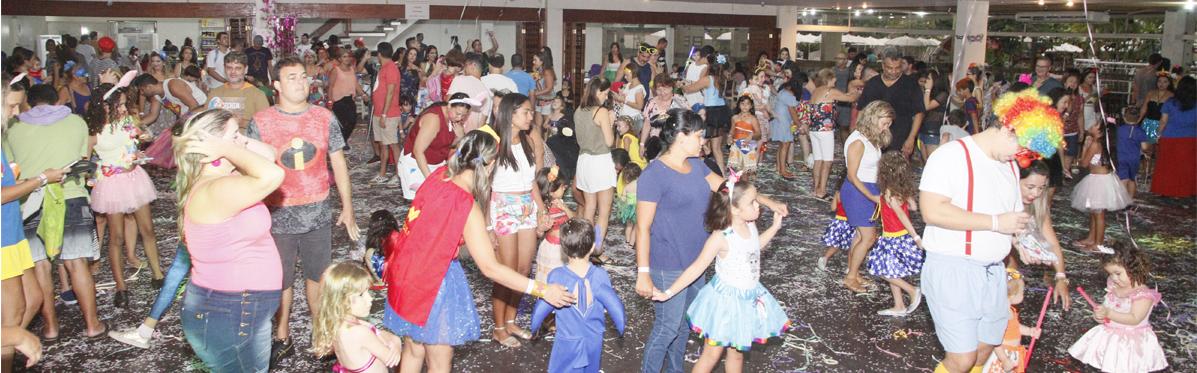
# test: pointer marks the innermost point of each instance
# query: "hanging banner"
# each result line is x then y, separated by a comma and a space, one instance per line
972, 21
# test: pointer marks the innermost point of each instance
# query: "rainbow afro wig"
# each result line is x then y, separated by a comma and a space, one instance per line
1034, 120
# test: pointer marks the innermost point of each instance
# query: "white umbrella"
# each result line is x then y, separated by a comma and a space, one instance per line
853, 39
875, 41
904, 41
725, 36
1066, 48
930, 42
808, 38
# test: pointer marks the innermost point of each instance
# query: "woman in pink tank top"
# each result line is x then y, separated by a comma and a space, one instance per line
236, 275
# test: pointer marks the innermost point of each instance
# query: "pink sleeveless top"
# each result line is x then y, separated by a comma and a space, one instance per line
235, 255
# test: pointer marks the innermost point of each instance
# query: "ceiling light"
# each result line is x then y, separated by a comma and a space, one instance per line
870, 11
1069, 3
1189, 5
1040, 2
396, 23
864, 5
920, 14
856, 13
367, 34
388, 29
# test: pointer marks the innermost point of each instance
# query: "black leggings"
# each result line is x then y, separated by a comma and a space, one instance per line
346, 111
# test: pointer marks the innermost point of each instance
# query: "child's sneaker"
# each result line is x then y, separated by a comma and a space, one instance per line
68, 297
822, 264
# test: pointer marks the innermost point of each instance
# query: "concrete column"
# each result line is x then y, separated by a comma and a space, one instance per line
554, 30
1177, 24
972, 22
596, 52
787, 22
673, 46
832, 44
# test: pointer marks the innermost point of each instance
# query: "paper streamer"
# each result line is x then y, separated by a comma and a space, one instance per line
1038, 325
1087, 298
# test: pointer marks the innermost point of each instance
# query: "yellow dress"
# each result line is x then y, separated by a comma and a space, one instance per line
633, 149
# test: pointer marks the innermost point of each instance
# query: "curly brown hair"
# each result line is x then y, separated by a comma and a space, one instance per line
1132, 259
895, 177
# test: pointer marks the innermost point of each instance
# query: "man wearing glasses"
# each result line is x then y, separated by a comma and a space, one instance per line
642, 65
1044, 82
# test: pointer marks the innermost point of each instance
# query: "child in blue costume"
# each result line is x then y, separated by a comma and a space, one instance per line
578, 346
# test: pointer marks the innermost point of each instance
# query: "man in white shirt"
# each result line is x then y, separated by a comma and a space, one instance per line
971, 202
470, 82
495, 80
86, 49
215, 61
305, 45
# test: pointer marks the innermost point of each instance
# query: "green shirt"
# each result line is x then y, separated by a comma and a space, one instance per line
40, 147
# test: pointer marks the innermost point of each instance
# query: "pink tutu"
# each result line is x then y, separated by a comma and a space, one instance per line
123, 193
1114, 347
161, 150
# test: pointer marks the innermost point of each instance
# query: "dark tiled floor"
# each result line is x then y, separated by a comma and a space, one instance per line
835, 329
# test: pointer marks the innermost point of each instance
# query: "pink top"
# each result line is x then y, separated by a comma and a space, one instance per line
342, 83
237, 254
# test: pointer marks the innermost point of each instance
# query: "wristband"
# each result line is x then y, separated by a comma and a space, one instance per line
531, 285
1061, 276
539, 289
669, 293
994, 223
642, 269
42, 177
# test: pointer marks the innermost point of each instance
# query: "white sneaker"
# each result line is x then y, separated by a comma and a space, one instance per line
822, 264
915, 300
891, 313
130, 337
378, 179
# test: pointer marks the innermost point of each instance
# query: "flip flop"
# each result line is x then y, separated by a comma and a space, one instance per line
521, 333
101, 335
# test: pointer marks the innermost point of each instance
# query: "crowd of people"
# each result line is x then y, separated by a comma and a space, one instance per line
498, 156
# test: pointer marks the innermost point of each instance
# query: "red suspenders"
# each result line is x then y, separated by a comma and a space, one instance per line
968, 234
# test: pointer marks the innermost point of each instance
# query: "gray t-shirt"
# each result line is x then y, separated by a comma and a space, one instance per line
303, 218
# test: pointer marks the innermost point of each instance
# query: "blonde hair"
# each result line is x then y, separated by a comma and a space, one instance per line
823, 77
339, 282
869, 123
1014, 287
211, 122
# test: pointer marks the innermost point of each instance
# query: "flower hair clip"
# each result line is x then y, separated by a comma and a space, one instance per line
733, 177
553, 173
720, 59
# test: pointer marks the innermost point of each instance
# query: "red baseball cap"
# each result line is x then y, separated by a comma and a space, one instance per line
106, 44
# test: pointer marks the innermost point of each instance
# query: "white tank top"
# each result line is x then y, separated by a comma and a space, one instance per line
508, 180
692, 74
740, 267
196, 93
867, 172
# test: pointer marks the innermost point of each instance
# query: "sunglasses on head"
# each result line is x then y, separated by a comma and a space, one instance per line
649, 50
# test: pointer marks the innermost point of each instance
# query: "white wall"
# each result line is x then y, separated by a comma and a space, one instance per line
23, 30
436, 32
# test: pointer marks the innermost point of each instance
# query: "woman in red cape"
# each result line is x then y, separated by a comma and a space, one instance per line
429, 302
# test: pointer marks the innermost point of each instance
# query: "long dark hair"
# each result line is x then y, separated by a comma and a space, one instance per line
382, 223
590, 98
1186, 93
714, 68
678, 122
619, 51
548, 180
1135, 261
101, 112
546, 58
718, 215
895, 177
504, 128
751, 105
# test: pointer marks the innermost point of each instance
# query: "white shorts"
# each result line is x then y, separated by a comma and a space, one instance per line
595, 173
387, 132
822, 144
410, 177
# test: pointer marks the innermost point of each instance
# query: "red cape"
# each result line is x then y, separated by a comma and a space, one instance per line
428, 242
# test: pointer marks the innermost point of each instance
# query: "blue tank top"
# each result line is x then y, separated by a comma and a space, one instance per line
711, 96
11, 216
80, 102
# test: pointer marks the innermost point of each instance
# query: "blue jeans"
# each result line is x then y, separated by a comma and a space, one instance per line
170, 284
666, 345
230, 331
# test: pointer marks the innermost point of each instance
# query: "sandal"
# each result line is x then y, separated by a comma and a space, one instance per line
854, 285
509, 341
519, 333
101, 335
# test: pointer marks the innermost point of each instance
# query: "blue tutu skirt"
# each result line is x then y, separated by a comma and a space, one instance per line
453, 320
860, 209
1152, 128
895, 257
724, 315
838, 234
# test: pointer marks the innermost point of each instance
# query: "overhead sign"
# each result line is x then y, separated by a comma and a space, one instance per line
416, 10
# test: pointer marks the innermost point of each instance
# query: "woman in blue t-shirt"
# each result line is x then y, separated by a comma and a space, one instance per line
674, 192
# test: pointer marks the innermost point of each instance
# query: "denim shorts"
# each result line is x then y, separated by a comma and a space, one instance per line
230, 331
78, 237
929, 138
